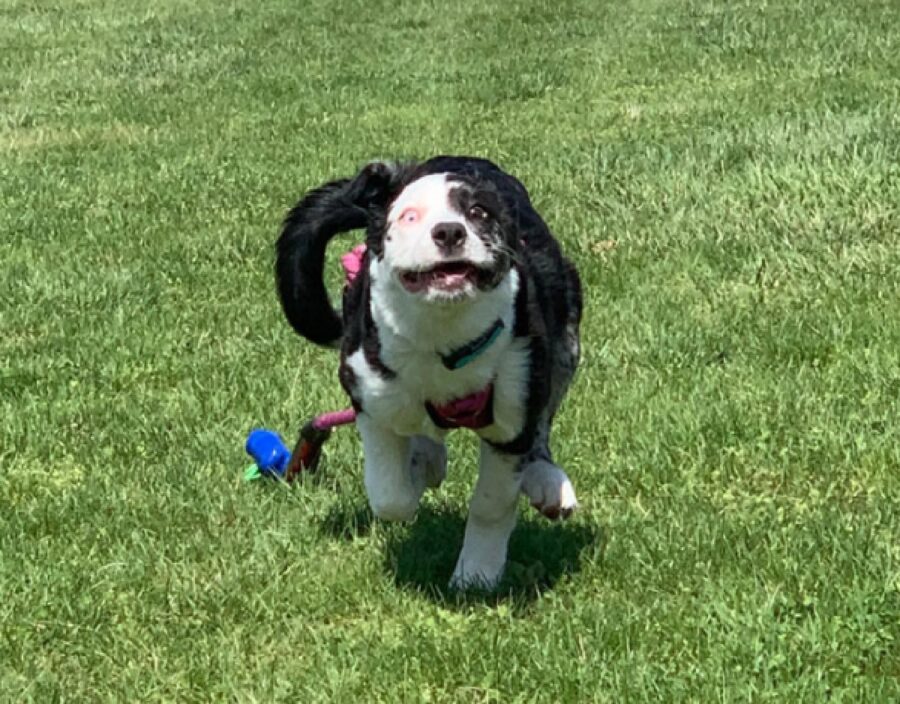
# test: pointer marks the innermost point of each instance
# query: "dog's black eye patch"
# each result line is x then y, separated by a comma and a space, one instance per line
477, 204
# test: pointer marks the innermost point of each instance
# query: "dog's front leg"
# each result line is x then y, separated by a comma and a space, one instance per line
492, 517
392, 493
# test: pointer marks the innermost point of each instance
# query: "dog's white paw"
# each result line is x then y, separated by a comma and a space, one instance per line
394, 507
477, 574
548, 489
427, 461
483, 556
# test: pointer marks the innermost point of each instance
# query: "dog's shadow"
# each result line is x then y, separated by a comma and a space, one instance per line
420, 557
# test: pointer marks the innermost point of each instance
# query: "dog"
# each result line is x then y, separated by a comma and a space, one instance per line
465, 313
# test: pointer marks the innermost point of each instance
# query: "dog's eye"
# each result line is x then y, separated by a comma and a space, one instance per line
476, 212
409, 216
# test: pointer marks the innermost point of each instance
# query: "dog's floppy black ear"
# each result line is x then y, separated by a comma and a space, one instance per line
378, 182
372, 185
324, 212
376, 186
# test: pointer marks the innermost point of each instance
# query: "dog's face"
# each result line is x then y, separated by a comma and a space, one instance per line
446, 237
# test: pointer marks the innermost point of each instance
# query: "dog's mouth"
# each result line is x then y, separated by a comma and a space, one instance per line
450, 277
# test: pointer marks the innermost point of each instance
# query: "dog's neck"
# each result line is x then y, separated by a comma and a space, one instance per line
445, 329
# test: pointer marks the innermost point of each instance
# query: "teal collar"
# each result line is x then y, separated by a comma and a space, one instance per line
472, 350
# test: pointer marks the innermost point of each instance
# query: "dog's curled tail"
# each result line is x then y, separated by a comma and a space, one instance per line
324, 212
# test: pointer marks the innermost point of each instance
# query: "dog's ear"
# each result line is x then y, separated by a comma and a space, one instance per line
378, 182
373, 189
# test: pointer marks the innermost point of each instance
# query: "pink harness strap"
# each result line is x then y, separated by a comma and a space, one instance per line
473, 411
352, 262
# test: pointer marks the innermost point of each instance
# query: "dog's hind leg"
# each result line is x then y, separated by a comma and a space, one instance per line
393, 492
544, 483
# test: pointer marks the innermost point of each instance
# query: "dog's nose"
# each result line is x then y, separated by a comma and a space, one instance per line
448, 235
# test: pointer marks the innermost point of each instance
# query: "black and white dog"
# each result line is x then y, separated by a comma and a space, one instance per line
464, 314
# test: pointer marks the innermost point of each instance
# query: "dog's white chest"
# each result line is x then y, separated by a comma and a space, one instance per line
420, 378
415, 348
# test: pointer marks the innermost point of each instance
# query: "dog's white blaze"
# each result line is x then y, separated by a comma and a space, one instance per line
428, 195
408, 245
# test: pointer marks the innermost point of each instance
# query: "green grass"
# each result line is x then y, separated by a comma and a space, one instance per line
725, 175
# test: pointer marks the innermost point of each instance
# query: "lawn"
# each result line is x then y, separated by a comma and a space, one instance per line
724, 174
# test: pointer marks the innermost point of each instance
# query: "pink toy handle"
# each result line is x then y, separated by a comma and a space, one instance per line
332, 419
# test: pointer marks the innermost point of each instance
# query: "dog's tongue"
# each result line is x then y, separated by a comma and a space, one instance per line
444, 276
449, 279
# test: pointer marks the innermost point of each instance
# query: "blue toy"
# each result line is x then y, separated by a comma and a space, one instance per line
269, 453
271, 458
